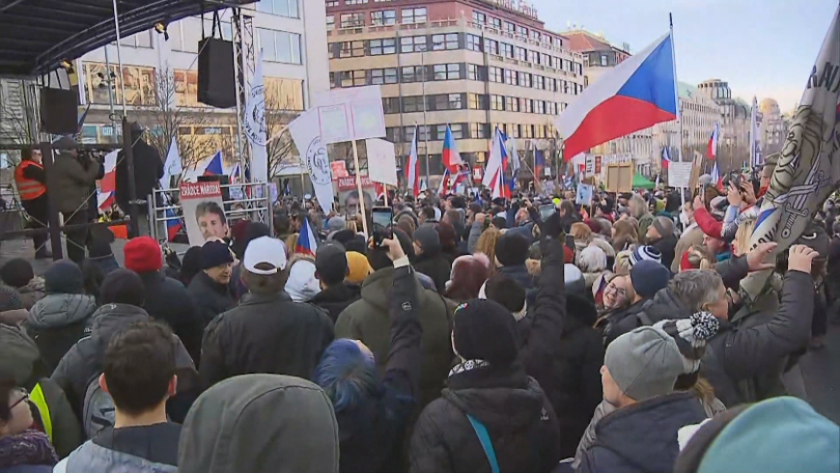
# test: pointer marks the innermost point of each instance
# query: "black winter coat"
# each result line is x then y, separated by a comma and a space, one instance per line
167, 300
210, 297
436, 266
520, 274
666, 247
642, 438
742, 357
265, 334
148, 169
518, 417
337, 298
371, 435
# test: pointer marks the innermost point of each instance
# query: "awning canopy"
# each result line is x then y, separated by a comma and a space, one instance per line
641, 182
36, 35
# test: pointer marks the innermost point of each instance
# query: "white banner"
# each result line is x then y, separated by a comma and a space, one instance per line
382, 161
254, 125
350, 114
313, 151
679, 174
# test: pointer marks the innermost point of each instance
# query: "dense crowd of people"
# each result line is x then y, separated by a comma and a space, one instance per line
469, 335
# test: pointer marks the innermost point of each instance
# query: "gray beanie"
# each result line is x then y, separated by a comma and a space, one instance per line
644, 363
664, 225
427, 237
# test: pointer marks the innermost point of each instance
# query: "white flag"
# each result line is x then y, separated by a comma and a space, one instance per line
808, 170
254, 125
313, 155
172, 165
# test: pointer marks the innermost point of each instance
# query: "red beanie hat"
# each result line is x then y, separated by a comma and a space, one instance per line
143, 255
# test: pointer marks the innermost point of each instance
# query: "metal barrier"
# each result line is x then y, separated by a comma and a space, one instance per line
255, 206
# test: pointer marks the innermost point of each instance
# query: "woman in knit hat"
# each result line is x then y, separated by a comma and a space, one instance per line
468, 275
58, 321
358, 267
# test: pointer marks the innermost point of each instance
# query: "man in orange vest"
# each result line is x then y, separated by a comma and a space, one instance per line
31, 183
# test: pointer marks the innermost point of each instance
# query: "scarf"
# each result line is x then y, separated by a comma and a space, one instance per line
468, 365
28, 448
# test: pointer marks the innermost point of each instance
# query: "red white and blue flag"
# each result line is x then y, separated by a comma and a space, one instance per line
173, 224
639, 93
716, 176
306, 242
494, 174
214, 167
451, 157
713, 143
412, 173
666, 158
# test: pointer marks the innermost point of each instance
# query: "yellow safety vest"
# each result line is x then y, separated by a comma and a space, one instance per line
37, 398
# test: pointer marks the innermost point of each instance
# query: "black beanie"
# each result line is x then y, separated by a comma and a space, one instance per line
512, 249
17, 273
484, 330
64, 277
506, 291
331, 263
215, 253
122, 286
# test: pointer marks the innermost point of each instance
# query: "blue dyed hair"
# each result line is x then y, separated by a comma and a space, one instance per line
347, 375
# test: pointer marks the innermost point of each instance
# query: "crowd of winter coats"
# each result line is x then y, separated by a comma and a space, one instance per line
465, 337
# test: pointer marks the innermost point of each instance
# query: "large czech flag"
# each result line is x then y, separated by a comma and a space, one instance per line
639, 93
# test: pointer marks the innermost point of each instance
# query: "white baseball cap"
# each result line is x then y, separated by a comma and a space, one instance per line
265, 250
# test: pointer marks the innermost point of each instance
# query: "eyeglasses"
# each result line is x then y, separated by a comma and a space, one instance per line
24, 396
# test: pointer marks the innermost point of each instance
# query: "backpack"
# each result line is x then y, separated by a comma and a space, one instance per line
99, 411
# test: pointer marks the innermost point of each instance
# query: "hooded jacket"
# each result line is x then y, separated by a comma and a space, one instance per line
210, 297
367, 320
518, 417
435, 265
335, 299
84, 360
57, 322
265, 333
260, 424
146, 449
642, 438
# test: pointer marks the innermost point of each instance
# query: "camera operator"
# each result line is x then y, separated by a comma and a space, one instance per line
148, 169
72, 181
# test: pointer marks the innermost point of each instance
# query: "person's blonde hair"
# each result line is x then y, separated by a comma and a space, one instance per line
350, 224
626, 234
742, 237
700, 257
487, 244
581, 232
291, 243
621, 266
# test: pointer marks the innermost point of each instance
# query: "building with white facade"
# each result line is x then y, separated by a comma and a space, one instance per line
773, 127
698, 116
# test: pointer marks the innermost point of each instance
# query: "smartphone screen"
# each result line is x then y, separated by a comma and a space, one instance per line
547, 210
382, 216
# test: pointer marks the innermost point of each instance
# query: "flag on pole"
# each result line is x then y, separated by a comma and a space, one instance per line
412, 173
443, 188
254, 124
713, 143
173, 225
172, 166
715, 174
106, 194
755, 145
514, 164
539, 163
636, 94
495, 170
451, 157
808, 170
306, 242
214, 167
666, 158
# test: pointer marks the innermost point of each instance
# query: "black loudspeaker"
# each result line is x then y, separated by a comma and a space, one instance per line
215, 73
59, 111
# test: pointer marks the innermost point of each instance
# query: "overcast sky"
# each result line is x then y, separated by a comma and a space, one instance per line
761, 47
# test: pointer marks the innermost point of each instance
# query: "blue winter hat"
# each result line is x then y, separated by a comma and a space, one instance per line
780, 435
649, 277
64, 277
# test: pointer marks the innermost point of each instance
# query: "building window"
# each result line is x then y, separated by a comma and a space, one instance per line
476, 102
447, 71
507, 50
473, 42
546, 60
525, 79
457, 131
392, 134
497, 23
479, 131
497, 102
603, 59
478, 17
330, 22
332, 80
391, 105
379, 47
421, 131
332, 3
352, 49
536, 36
353, 78
494, 74
413, 15
279, 7
413, 74
279, 46
539, 82
352, 20
383, 76
444, 41
527, 131
512, 104
558, 63
522, 31
510, 77
521, 53
413, 104
539, 131
539, 107
355, 2
474, 72
413, 44
510, 27
455, 103
384, 17
513, 130
527, 106
492, 46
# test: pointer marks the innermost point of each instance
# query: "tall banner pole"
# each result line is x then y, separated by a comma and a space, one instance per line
359, 187
677, 101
